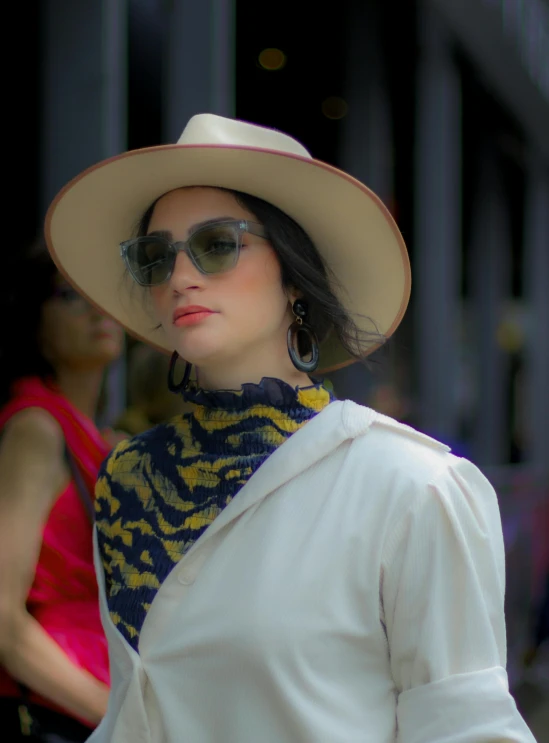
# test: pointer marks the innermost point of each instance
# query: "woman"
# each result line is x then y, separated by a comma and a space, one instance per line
55, 348
277, 566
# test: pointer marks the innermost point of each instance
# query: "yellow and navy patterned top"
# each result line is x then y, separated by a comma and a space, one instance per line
158, 491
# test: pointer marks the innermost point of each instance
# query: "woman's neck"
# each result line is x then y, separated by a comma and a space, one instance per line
82, 388
232, 377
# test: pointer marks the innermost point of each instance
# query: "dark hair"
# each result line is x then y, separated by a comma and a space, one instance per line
30, 282
302, 269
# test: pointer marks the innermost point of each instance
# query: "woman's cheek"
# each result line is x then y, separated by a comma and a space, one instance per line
160, 306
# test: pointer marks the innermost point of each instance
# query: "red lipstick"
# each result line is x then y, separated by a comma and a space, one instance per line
190, 315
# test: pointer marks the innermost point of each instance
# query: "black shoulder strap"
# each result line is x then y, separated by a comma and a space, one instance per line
83, 491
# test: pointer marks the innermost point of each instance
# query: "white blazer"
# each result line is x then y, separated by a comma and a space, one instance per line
352, 592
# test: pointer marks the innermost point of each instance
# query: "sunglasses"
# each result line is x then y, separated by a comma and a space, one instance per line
212, 249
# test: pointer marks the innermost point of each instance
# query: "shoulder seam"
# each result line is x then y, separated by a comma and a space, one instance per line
356, 418
403, 428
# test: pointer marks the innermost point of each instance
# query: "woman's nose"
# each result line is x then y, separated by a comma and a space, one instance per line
185, 274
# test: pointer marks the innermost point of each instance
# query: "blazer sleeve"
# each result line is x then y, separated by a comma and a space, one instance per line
442, 593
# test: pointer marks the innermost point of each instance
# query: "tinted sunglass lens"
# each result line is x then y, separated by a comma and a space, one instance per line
215, 249
150, 260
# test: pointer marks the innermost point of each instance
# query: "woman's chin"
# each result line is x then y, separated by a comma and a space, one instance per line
196, 346
201, 357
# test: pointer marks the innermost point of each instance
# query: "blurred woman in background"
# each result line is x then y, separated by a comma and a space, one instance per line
54, 350
150, 402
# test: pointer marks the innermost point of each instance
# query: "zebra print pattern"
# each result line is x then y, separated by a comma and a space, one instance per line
158, 491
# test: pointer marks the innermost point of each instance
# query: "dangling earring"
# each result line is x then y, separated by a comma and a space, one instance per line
180, 386
308, 338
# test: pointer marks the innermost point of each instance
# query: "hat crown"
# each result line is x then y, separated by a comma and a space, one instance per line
209, 129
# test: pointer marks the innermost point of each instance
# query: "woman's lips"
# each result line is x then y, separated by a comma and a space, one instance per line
186, 316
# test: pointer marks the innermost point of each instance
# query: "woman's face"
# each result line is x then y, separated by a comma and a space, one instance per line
74, 335
247, 309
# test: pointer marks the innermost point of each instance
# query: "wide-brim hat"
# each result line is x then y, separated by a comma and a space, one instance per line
352, 229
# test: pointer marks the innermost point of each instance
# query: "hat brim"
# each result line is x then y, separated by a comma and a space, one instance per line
350, 226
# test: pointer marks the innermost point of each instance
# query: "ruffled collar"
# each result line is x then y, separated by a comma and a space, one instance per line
270, 392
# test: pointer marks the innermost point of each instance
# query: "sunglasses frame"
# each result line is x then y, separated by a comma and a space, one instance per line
183, 246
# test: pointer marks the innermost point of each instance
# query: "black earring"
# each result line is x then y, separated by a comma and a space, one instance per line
302, 340
180, 386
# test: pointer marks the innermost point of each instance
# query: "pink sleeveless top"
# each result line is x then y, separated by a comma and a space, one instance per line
64, 594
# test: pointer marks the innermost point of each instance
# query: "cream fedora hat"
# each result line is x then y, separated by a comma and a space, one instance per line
351, 228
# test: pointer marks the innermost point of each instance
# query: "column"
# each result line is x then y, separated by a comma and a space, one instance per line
536, 296
366, 149
84, 106
366, 146
200, 62
490, 288
436, 256
84, 87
